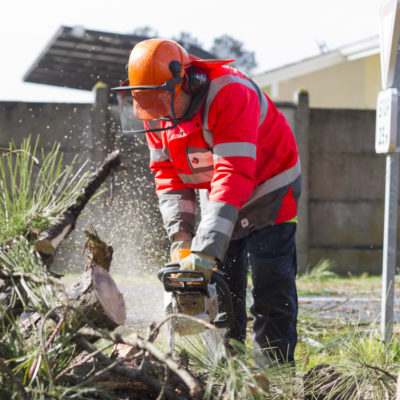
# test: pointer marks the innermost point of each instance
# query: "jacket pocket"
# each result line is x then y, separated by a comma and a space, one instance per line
200, 159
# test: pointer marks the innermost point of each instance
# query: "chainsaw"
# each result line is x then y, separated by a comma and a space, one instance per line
187, 292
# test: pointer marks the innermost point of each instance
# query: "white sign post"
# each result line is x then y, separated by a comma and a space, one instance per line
386, 141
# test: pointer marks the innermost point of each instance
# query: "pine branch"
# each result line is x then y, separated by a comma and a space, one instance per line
139, 374
164, 358
388, 374
51, 238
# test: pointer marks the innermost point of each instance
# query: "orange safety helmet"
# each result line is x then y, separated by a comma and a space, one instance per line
156, 72
155, 62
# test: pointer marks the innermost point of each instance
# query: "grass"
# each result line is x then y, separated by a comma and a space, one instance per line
341, 361
321, 280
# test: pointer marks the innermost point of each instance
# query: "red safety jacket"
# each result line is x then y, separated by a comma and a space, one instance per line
241, 150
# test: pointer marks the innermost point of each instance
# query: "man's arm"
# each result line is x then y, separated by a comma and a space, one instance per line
176, 201
233, 119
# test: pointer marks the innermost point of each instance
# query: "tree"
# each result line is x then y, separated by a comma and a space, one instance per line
224, 46
228, 47
187, 40
145, 31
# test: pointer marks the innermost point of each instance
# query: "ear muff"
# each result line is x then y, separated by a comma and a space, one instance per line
195, 81
176, 68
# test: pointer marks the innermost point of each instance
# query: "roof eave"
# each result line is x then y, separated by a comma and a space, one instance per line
349, 52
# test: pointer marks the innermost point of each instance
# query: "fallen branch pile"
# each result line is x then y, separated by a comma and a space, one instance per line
58, 341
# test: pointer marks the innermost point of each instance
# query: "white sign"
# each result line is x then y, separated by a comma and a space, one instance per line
386, 121
389, 25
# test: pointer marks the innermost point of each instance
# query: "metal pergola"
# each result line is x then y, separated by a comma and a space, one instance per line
78, 58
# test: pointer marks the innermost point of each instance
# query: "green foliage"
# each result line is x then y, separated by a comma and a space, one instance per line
36, 289
320, 272
357, 365
372, 363
232, 373
34, 193
322, 280
347, 362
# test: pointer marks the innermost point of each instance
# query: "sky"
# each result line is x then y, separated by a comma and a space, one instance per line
277, 31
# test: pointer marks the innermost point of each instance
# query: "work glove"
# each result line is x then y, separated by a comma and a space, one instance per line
180, 247
202, 262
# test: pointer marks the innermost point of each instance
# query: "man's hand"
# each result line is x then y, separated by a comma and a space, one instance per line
180, 247
202, 262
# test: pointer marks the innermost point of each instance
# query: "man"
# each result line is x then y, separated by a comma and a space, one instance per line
210, 127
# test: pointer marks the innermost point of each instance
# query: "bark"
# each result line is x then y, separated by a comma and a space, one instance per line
96, 295
50, 240
142, 374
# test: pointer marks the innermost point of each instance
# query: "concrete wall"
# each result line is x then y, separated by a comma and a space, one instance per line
132, 222
341, 208
68, 124
346, 182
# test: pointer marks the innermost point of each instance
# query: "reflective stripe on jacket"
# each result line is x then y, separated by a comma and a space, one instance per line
241, 150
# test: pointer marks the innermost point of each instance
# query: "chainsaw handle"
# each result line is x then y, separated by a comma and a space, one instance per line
217, 278
170, 267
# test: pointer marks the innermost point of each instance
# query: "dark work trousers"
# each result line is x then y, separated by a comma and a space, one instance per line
271, 255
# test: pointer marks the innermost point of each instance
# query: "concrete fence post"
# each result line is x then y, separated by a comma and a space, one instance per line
302, 125
102, 142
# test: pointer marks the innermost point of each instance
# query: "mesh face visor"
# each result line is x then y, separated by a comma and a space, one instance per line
153, 105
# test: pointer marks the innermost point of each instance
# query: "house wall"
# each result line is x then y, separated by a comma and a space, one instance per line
340, 212
373, 80
351, 84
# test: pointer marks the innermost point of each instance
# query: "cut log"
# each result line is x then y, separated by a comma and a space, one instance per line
96, 295
49, 241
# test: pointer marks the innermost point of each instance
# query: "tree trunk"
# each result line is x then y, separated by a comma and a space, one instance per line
94, 293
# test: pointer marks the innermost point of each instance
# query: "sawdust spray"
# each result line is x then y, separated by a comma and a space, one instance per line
127, 217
